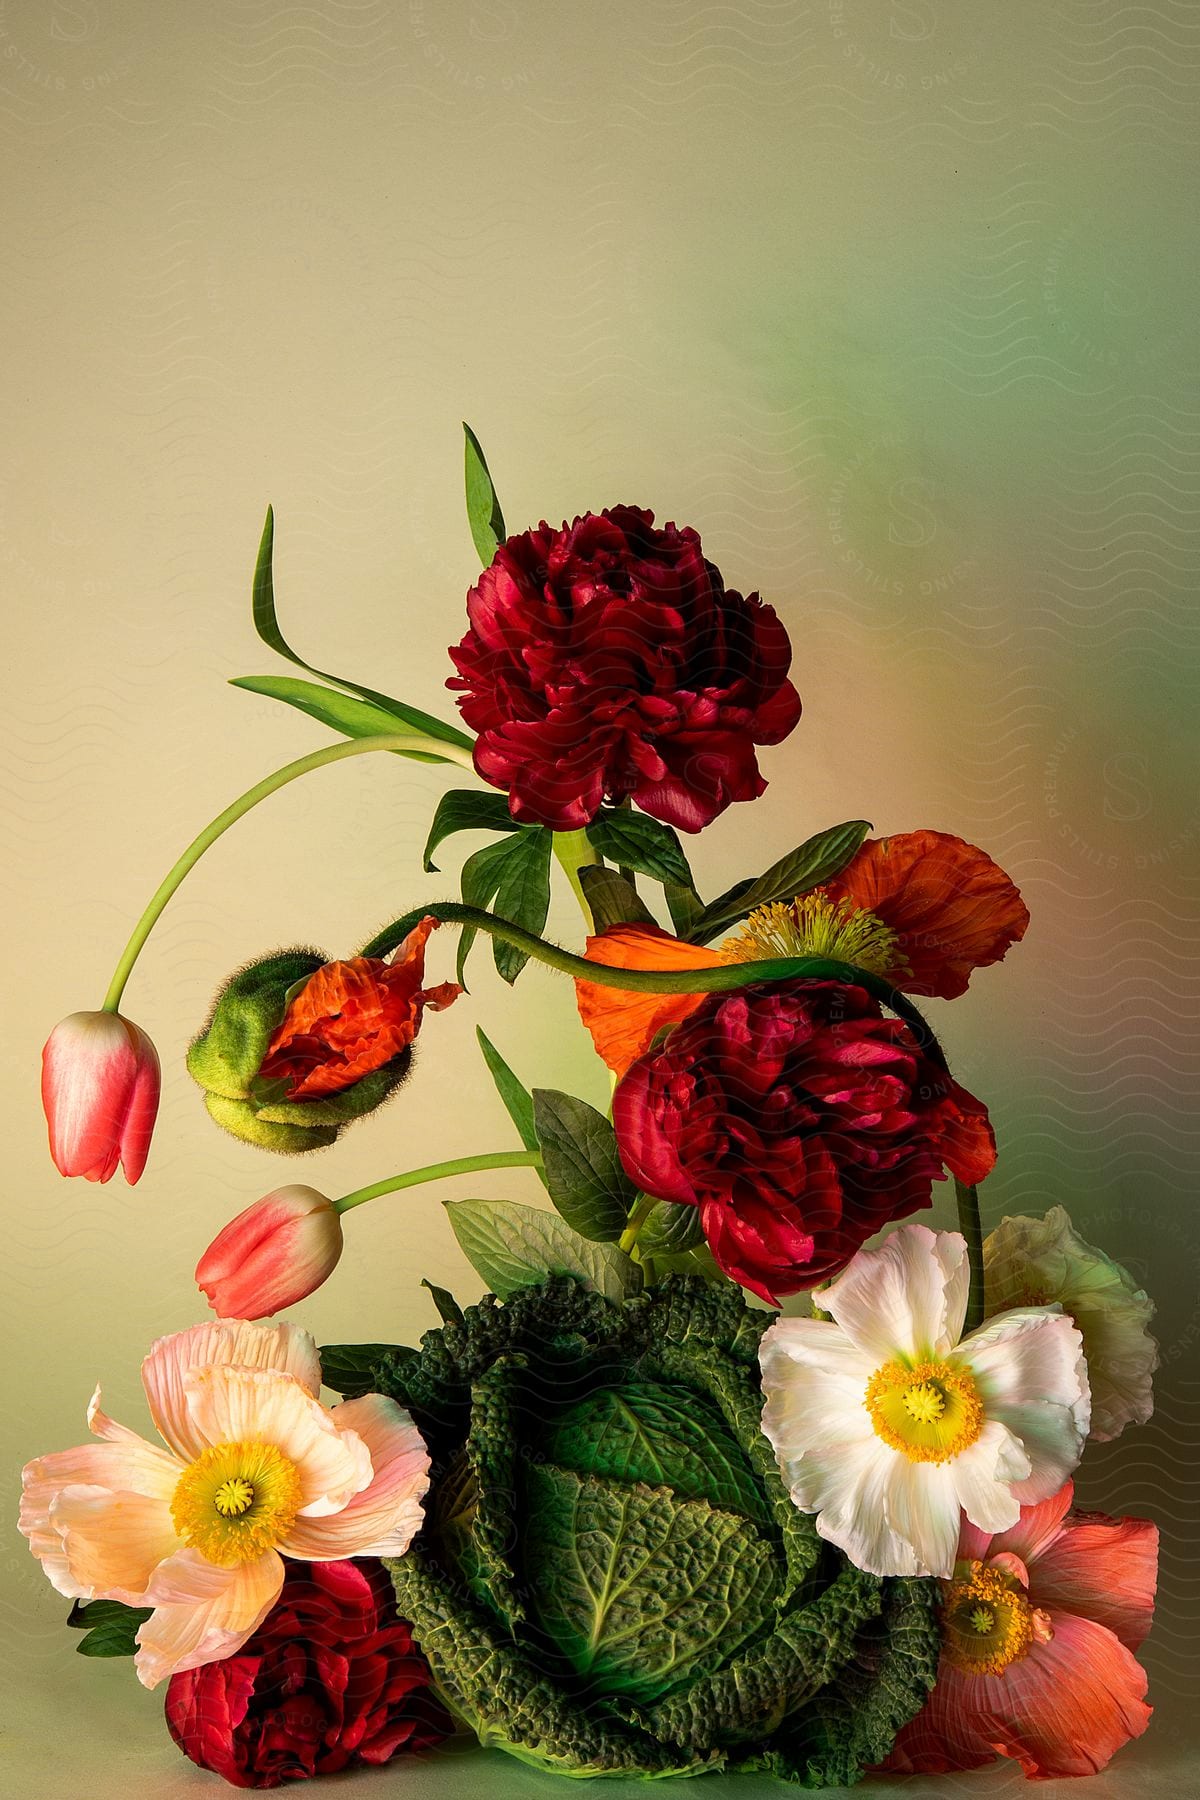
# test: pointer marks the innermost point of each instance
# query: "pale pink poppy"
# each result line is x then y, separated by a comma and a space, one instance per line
254, 1469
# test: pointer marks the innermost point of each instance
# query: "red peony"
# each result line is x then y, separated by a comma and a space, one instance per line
800, 1121
608, 659
331, 1677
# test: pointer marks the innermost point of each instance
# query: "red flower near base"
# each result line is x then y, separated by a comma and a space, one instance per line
608, 659
800, 1121
331, 1677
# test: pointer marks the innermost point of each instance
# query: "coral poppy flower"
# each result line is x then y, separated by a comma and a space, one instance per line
922, 909
1039, 1628
255, 1469
951, 908
351, 1018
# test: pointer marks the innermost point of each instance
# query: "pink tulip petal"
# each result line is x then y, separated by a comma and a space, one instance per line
220, 1342
236, 1405
385, 1517
112, 1542
141, 1113
220, 1613
273, 1255
1102, 1569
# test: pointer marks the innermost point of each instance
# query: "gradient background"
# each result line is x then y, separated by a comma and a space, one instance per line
895, 302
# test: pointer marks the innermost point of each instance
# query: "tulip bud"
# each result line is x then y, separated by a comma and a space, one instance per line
100, 1084
298, 1047
272, 1255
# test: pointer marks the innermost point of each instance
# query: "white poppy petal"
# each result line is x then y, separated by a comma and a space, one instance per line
384, 1518
854, 1514
907, 1297
1032, 1377
921, 1505
221, 1612
238, 1405
237, 1343
985, 1477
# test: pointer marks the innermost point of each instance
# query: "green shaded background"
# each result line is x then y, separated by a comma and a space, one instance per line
894, 302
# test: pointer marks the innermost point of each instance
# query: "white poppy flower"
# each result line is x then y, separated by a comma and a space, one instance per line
888, 1424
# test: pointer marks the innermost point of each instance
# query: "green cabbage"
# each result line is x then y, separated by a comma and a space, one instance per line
612, 1579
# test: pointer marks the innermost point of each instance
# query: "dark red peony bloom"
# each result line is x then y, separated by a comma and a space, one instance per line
331, 1677
800, 1121
609, 659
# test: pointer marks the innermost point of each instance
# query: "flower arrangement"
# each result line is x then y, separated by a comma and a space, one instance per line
625, 1515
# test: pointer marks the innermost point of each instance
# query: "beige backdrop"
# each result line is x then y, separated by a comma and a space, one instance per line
894, 302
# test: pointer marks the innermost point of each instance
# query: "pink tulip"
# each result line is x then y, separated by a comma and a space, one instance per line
272, 1255
100, 1082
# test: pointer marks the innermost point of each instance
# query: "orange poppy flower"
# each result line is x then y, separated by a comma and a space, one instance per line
952, 908
351, 1018
921, 908
624, 1024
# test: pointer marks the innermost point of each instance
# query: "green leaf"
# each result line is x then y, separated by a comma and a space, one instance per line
483, 509
463, 809
523, 894
513, 877
583, 1170
659, 1433
352, 1370
636, 841
670, 1229
515, 1247
266, 624
597, 1553
111, 1627
341, 712
815, 861
684, 905
611, 900
518, 1102
449, 1311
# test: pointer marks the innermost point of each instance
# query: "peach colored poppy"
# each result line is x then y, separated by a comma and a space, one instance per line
254, 1469
951, 907
351, 1018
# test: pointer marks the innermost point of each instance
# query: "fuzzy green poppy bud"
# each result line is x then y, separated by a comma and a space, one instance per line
298, 1047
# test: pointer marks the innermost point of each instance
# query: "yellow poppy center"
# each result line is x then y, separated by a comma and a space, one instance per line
929, 1411
235, 1501
987, 1622
815, 925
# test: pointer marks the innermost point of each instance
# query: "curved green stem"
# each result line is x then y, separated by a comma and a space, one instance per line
460, 1165
971, 1226
316, 759
721, 978
642, 1209
574, 852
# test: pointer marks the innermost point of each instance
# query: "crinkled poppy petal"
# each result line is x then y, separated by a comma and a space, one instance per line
953, 909
1102, 1569
623, 1024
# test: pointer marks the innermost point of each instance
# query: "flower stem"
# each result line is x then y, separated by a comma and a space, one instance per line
574, 852
643, 1207
971, 1226
460, 1165
316, 759
722, 978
